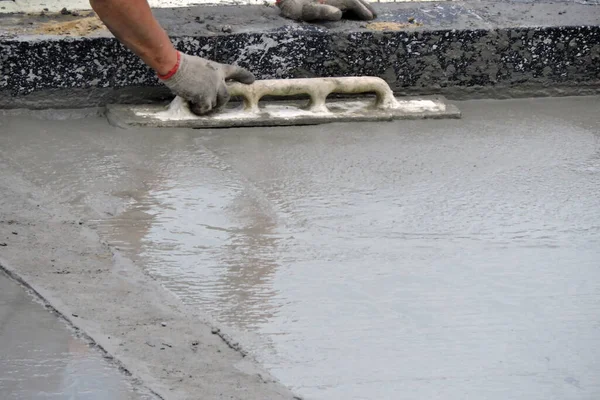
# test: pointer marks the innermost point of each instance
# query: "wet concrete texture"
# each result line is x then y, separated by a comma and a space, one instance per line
412, 259
41, 358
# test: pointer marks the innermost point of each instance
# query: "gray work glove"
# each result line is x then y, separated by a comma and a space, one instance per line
202, 82
325, 10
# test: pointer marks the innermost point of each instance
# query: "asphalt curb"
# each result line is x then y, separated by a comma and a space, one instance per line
457, 49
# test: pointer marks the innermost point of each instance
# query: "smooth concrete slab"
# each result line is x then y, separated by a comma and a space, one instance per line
41, 358
401, 260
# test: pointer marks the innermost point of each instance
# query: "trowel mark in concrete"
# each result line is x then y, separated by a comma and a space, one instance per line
42, 358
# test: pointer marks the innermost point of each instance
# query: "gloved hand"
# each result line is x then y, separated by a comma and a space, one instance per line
202, 82
325, 10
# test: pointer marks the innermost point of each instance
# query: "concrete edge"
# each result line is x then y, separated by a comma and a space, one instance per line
74, 98
119, 306
62, 312
141, 380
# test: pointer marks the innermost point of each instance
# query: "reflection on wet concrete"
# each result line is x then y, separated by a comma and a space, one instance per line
433, 259
41, 359
416, 259
204, 224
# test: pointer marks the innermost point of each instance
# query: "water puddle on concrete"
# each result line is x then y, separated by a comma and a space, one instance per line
40, 358
356, 266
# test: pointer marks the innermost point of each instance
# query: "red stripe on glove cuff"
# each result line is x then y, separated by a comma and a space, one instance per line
173, 70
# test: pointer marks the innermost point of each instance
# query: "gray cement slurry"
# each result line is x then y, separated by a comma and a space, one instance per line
149, 332
41, 358
413, 259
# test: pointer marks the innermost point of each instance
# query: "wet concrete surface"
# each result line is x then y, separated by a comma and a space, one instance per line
413, 259
41, 358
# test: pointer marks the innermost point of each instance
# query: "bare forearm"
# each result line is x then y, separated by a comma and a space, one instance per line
132, 23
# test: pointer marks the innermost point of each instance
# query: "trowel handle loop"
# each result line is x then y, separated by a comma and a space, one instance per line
317, 88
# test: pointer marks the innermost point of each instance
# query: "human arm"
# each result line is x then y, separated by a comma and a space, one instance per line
134, 25
200, 81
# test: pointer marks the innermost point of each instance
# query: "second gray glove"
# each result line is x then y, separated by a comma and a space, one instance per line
325, 10
202, 82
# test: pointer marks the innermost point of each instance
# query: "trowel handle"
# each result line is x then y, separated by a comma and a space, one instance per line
317, 88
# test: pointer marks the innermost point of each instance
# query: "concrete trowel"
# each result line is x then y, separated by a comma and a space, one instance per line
275, 111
